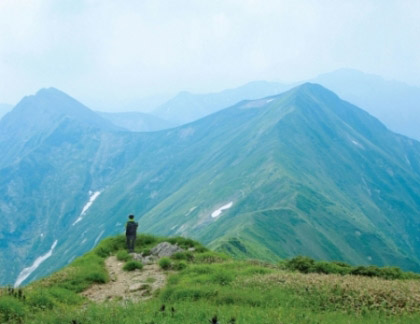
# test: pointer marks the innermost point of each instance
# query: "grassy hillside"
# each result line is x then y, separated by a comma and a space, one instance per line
204, 285
302, 173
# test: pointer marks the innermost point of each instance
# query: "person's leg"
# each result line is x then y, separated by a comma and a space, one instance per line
133, 243
130, 244
127, 240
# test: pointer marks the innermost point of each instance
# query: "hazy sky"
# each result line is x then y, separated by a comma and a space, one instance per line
109, 53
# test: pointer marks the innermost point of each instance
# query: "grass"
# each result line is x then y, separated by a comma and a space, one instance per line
204, 284
307, 265
132, 265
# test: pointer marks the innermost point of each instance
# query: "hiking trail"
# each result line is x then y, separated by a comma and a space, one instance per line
134, 285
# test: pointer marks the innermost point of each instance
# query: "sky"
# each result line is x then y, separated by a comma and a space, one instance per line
110, 54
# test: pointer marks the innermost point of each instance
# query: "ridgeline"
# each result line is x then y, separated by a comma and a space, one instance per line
196, 285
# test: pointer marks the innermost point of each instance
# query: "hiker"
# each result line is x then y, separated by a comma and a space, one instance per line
130, 233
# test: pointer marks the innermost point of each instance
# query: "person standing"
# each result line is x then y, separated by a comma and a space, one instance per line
131, 233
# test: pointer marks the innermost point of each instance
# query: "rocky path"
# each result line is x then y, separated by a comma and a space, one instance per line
133, 285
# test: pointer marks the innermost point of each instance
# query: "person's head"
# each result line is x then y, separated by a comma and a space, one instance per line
131, 216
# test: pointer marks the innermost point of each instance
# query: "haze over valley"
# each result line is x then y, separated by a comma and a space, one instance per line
262, 129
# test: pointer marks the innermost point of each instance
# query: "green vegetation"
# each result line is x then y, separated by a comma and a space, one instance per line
205, 284
123, 255
165, 263
132, 265
308, 265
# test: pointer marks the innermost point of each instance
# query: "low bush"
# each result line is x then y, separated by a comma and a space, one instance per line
165, 263
330, 267
180, 265
10, 309
123, 255
40, 299
301, 264
132, 265
184, 255
146, 239
308, 265
182, 242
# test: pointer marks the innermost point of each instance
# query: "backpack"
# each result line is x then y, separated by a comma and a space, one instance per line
131, 228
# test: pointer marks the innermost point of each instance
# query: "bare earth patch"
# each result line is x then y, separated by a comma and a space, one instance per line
133, 285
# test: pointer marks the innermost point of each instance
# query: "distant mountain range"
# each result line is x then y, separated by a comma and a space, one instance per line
303, 172
187, 107
394, 103
4, 109
137, 121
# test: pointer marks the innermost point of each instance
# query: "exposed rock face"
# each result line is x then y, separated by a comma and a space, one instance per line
164, 249
149, 259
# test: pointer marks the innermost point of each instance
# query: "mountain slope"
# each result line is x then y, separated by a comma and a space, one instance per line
136, 121
35, 117
395, 103
298, 173
4, 109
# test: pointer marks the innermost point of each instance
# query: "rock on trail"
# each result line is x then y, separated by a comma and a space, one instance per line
132, 285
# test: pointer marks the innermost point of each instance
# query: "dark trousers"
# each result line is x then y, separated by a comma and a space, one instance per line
131, 242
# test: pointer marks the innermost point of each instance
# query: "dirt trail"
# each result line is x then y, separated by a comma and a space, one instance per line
133, 285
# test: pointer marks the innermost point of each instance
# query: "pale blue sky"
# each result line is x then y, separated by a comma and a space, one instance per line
107, 53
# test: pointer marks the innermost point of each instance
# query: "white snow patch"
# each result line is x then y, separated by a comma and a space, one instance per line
97, 239
84, 241
26, 272
191, 210
357, 143
217, 212
42, 234
269, 100
92, 198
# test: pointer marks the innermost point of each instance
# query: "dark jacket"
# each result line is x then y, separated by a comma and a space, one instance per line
131, 228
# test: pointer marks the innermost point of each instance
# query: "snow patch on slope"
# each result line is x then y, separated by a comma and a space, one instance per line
92, 198
357, 143
26, 272
97, 239
219, 211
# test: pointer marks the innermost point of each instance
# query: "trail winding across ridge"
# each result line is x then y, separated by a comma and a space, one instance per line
134, 285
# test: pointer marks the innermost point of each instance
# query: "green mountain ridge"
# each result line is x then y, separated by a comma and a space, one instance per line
195, 285
302, 172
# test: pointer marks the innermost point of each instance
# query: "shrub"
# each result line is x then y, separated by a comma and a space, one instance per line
183, 242
123, 255
146, 252
165, 263
41, 299
181, 265
11, 308
132, 265
301, 263
146, 239
330, 267
185, 255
